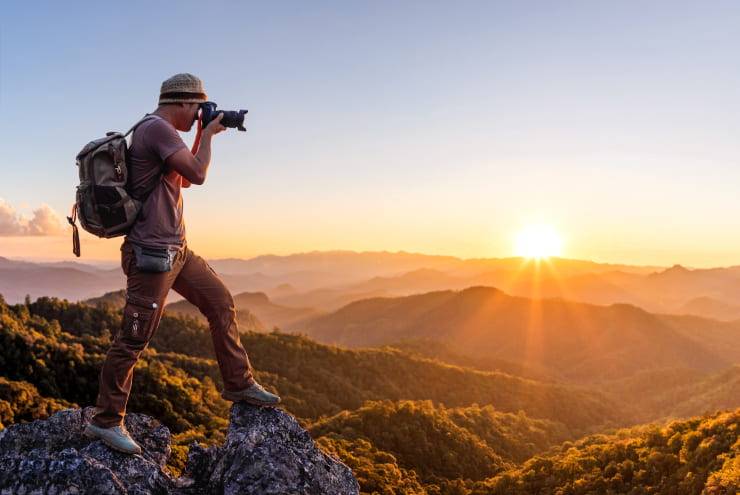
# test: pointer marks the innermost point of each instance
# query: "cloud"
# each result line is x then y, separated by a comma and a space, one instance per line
45, 221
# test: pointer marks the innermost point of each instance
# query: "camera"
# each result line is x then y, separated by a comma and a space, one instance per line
231, 118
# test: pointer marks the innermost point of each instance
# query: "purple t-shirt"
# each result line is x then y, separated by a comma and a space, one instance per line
160, 222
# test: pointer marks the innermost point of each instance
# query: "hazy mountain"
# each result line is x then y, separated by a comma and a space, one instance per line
527, 280
446, 352
421, 280
326, 299
720, 337
545, 281
517, 277
356, 265
717, 392
115, 299
349, 270
90, 268
282, 290
678, 392
72, 281
580, 341
711, 308
563, 266
268, 312
249, 282
656, 393
674, 290
670, 290
328, 280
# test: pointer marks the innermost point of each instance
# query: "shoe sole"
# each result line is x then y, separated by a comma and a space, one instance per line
94, 436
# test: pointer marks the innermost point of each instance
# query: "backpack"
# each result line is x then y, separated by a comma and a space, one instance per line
103, 202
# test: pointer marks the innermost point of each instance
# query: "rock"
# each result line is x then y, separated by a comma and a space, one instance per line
53, 456
266, 452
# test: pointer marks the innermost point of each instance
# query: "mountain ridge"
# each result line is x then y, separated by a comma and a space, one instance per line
484, 320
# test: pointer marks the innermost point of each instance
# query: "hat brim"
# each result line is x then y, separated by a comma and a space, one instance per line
185, 100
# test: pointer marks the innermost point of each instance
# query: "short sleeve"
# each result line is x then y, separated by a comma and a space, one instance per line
163, 140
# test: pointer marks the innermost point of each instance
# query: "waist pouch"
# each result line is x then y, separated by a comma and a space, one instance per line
154, 259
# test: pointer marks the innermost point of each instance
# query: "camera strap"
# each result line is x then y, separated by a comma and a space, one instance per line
196, 143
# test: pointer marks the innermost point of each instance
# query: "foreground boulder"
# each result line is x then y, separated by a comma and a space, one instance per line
266, 452
53, 456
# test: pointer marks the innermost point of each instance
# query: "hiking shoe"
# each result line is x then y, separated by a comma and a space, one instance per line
115, 437
254, 394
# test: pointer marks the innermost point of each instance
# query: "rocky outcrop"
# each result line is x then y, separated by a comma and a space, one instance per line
53, 456
266, 452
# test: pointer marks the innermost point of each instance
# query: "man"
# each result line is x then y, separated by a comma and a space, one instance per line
155, 257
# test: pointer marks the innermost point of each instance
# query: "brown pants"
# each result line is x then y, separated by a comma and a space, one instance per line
195, 280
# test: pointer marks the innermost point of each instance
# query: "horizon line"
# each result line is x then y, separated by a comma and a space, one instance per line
92, 261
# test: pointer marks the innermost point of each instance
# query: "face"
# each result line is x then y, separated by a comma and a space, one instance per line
189, 114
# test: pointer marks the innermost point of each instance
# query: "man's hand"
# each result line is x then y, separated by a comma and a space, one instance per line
214, 126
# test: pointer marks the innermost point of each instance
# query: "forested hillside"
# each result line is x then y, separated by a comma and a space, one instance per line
700, 455
405, 423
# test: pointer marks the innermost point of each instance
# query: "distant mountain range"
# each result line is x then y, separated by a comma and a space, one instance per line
582, 342
71, 280
326, 281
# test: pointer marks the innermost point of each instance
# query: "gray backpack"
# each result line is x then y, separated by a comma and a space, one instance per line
105, 206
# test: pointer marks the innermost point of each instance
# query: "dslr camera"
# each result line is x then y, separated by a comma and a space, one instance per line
231, 118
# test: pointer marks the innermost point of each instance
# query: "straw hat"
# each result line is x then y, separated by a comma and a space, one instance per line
182, 88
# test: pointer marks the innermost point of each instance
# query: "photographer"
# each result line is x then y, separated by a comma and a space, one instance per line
155, 258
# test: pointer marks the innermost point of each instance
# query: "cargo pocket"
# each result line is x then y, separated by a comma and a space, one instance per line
138, 318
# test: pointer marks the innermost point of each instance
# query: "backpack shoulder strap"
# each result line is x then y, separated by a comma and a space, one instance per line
161, 174
146, 117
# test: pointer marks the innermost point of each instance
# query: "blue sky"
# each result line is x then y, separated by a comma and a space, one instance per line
419, 126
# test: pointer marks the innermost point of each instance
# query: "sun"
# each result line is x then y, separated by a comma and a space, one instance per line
538, 241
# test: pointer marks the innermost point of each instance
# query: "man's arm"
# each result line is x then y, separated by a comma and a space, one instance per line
193, 168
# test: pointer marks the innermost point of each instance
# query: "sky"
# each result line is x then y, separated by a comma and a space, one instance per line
431, 127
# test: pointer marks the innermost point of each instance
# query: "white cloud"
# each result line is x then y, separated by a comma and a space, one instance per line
45, 221
10, 222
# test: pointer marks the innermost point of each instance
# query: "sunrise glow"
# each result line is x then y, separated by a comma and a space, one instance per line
538, 241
